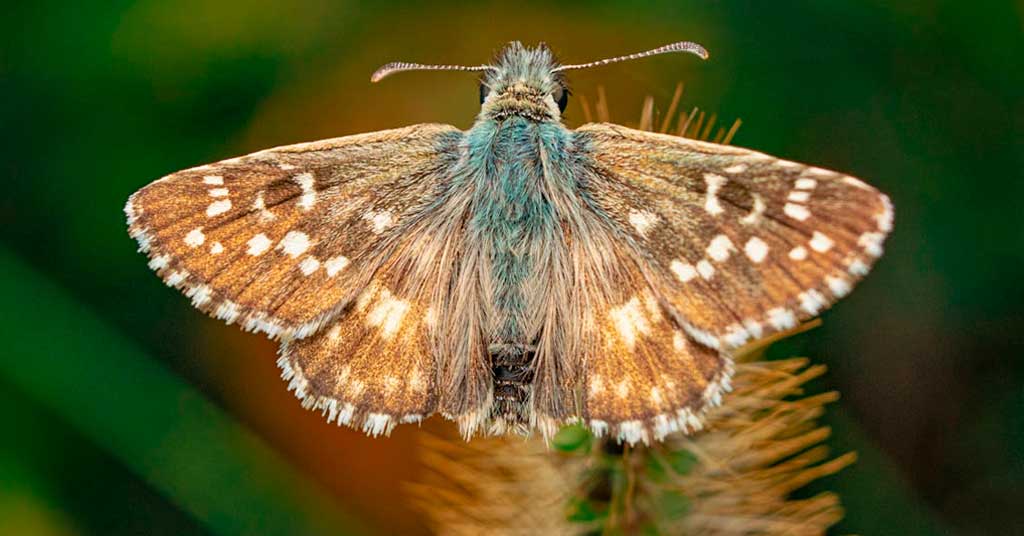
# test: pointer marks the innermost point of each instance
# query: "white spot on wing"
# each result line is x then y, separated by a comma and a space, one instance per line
160, 262
199, 294
705, 269
642, 221
216, 248
720, 248
701, 336
812, 301
630, 322
346, 413
218, 207
678, 341
195, 237
213, 179
227, 311
821, 172
309, 265
143, 238
885, 218
756, 249
755, 212
684, 272
260, 206
797, 212
379, 220
820, 242
632, 432
219, 192
176, 277
736, 168
858, 267
805, 184
377, 424
129, 212
838, 285
714, 184
799, 196
258, 244
753, 327
387, 314
781, 318
305, 182
335, 265
735, 336
294, 243
656, 398
798, 253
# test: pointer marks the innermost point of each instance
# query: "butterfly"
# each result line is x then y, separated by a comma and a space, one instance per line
518, 275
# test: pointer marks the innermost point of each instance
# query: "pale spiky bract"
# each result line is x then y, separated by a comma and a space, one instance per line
733, 478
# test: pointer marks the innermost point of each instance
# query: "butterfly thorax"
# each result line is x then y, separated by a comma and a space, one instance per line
515, 226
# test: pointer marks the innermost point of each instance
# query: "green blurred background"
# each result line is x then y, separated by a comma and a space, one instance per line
126, 412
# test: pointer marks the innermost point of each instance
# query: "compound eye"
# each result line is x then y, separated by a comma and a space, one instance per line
483, 93
561, 96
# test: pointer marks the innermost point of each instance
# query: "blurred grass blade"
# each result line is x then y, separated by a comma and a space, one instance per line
156, 424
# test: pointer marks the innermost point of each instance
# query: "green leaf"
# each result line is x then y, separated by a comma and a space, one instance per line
680, 462
583, 511
673, 504
571, 438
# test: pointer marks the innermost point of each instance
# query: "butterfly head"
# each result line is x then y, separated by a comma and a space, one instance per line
524, 82
528, 82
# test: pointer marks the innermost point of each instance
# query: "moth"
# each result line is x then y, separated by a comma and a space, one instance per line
518, 275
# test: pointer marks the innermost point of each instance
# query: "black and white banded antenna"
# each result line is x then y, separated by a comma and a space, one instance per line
681, 46
399, 66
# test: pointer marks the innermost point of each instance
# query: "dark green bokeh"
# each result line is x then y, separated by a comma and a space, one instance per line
922, 99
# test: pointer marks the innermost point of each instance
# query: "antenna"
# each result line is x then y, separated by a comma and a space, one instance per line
682, 46
399, 66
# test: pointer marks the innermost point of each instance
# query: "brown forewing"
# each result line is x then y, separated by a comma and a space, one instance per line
739, 243
280, 240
